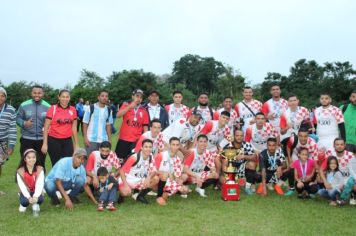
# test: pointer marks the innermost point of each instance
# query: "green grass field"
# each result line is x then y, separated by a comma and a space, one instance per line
252, 215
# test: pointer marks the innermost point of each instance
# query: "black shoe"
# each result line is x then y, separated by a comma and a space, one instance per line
55, 201
142, 199
74, 200
120, 200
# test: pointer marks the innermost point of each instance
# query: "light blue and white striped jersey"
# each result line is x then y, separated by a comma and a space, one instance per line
97, 123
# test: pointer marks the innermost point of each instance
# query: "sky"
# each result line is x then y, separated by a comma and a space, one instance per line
51, 41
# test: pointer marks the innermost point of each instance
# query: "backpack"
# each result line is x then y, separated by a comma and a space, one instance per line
92, 111
211, 111
344, 107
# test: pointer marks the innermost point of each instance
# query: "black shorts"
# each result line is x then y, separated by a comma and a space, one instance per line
124, 149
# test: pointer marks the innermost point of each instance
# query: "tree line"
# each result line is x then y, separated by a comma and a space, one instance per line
193, 74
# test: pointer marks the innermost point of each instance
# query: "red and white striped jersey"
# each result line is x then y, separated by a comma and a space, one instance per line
244, 113
95, 162
158, 143
310, 145
217, 136
275, 108
294, 119
176, 113
181, 129
327, 120
165, 163
258, 138
197, 163
233, 117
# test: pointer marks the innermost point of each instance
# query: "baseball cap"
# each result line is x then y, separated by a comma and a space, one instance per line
197, 113
136, 91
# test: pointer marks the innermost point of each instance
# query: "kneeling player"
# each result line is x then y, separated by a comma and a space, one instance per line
199, 166
102, 158
140, 172
271, 162
169, 170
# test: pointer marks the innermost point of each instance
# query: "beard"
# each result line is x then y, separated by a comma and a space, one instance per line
103, 156
203, 104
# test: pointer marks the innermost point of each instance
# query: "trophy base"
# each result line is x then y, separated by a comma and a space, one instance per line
230, 192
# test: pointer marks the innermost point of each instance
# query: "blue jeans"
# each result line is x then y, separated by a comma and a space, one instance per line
24, 201
108, 195
75, 187
331, 194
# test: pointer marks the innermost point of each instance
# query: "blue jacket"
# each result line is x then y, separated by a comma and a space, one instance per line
163, 116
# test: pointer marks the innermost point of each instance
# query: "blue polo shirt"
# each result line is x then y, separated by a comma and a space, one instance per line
65, 171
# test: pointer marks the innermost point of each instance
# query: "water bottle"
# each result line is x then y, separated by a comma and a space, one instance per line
35, 210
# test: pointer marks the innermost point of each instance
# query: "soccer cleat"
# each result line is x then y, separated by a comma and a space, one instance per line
161, 201
340, 202
134, 196
352, 201
142, 199
22, 209
290, 192
111, 206
278, 189
260, 189
151, 193
253, 188
248, 191
270, 186
200, 191
184, 195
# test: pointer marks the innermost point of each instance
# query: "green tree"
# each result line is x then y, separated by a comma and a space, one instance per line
88, 86
198, 74
121, 84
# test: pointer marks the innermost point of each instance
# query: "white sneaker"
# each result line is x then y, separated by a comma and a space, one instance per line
253, 188
200, 191
270, 187
151, 193
184, 195
134, 196
22, 209
352, 201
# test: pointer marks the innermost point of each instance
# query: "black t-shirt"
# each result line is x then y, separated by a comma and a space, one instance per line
271, 162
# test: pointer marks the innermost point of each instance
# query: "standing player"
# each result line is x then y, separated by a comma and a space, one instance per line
274, 107
258, 133
7, 129
177, 110
233, 115
293, 117
134, 122
97, 123
247, 108
349, 111
199, 167
31, 116
206, 111
156, 110
329, 122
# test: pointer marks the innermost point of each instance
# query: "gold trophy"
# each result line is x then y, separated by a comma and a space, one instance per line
230, 171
